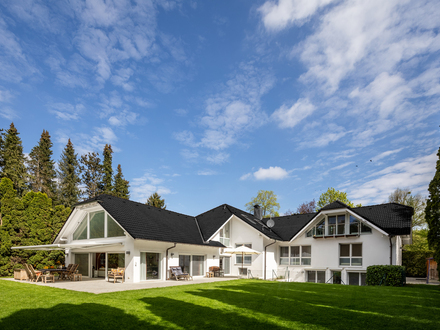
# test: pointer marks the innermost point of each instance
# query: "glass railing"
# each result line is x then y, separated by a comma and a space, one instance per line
225, 241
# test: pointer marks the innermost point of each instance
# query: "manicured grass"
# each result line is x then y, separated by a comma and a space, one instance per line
240, 304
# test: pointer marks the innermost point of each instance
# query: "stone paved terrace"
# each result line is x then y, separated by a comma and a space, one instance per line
98, 285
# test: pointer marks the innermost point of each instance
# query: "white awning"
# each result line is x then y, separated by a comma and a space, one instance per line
49, 247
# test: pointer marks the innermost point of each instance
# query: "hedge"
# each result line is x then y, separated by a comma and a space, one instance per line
386, 275
415, 262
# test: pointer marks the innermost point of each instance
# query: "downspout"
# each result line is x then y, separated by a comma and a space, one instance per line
265, 266
166, 262
391, 249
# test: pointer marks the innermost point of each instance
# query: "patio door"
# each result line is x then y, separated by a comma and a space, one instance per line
82, 259
150, 263
193, 265
225, 264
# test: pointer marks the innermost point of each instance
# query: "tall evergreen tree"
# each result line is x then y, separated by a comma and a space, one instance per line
156, 201
107, 181
42, 167
91, 173
14, 162
68, 174
121, 185
432, 213
2, 150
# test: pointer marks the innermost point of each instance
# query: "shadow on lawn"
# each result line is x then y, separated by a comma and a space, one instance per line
69, 316
333, 309
191, 316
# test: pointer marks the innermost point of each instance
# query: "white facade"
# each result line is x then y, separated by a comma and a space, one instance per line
320, 251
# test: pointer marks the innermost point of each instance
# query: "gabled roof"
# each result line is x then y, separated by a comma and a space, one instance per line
211, 221
148, 222
289, 225
334, 205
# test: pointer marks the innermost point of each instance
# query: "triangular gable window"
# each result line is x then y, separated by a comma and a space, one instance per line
81, 231
113, 229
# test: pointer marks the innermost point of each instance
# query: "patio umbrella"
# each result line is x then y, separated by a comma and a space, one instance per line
241, 250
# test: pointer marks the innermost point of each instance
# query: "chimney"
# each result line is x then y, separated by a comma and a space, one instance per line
258, 212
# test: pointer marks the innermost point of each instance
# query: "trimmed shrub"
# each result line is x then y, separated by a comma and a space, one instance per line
386, 275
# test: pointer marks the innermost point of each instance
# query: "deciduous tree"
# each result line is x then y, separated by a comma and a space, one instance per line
306, 207
267, 201
332, 195
68, 174
156, 201
432, 213
417, 202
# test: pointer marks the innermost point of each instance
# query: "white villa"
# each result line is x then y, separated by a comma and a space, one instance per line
334, 245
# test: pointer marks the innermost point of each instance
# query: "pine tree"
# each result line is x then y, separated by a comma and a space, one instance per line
68, 175
432, 213
92, 173
121, 185
154, 200
14, 162
42, 167
2, 150
107, 184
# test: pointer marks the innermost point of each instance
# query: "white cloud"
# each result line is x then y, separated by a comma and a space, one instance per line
414, 173
189, 155
141, 188
122, 77
5, 96
286, 12
290, 117
271, 173
218, 158
206, 172
181, 112
66, 111
385, 154
124, 118
8, 113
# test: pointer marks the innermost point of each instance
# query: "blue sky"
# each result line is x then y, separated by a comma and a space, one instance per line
208, 102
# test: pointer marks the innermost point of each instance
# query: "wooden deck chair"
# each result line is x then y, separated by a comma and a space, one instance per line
71, 271
36, 275
64, 272
115, 274
28, 272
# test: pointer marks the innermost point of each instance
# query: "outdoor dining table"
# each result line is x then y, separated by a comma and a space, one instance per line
54, 270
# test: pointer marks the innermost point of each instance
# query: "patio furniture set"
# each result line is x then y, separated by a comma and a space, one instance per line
48, 275
215, 271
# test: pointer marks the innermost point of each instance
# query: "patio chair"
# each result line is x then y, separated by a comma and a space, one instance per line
64, 272
177, 274
115, 274
28, 272
35, 275
217, 271
69, 274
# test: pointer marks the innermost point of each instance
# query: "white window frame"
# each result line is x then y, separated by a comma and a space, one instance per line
350, 256
226, 241
347, 218
301, 258
316, 275
106, 219
249, 256
360, 277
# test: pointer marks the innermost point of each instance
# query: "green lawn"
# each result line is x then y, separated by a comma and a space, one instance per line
249, 304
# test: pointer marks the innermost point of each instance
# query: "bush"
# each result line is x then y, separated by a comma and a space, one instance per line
386, 275
415, 262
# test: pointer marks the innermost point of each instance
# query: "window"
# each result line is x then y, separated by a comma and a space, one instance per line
247, 258
357, 278
94, 225
320, 228
197, 265
365, 229
225, 235
336, 225
336, 277
350, 254
354, 225
341, 225
331, 229
299, 255
284, 255
316, 276
311, 232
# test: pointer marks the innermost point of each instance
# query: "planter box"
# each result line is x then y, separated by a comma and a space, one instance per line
20, 274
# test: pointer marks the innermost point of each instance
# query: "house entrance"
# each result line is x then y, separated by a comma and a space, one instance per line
150, 263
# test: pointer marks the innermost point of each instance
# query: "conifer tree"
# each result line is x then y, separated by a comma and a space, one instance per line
2, 150
91, 173
107, 184
68, 175
156, 201
42, 167
121, 185
14, 162
432, 213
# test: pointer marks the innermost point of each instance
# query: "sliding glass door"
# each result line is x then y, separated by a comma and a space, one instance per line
150, 266
193, 265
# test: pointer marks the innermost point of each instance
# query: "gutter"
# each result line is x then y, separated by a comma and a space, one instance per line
265, 266
391, 249
166, 261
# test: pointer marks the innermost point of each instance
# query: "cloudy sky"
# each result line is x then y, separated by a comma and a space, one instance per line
208, 102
